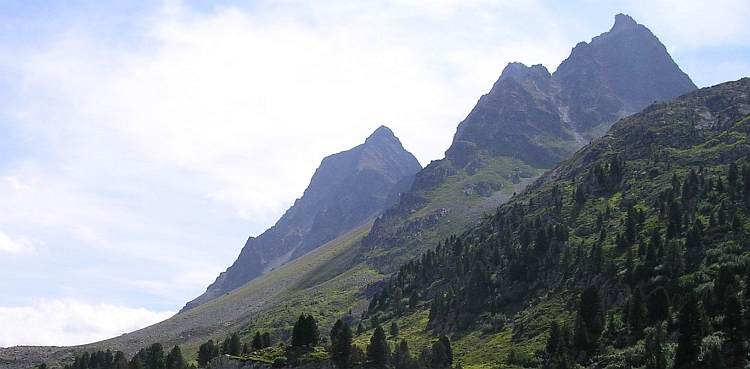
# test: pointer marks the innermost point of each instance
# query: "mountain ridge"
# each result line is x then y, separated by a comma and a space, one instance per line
526, 123
347, 190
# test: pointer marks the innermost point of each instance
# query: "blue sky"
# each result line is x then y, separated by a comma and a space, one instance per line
141, 143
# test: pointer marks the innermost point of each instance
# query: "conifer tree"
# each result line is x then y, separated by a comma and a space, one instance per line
175, 360
689, 325
155, 357
439, 356
657, 305
378, 351
257, 341
655, 341
394, 329
448, 350
266, 339
402, 358
341, 343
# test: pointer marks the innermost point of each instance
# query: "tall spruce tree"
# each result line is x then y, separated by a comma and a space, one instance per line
378, 351
690, 326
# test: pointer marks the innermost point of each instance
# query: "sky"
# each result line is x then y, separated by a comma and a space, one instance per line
142, 142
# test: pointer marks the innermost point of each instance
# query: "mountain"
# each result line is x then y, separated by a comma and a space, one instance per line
347, 190
529, 121
618, 73
631, 252
440, 243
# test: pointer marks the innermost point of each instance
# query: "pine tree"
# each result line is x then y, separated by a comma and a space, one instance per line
637, 314
235, 345
266, 339
257, 341
378, 351
155, 357
655, 341
553, 342
590, 310
341, 343
394, 329
175, 360
136, 363
120, 361
206, 352
298, 332
448, 350
402, 359
439, 356
657, 305
413, 299
689, 325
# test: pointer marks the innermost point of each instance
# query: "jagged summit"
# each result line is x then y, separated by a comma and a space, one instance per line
623, 21
541, 118
348, 189
618, 73
518, 71
528, 122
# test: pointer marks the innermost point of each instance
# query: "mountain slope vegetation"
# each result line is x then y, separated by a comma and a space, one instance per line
633, 252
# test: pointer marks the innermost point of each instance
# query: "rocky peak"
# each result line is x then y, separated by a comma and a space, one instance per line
382, 134
623, 21
347, 190
618, 73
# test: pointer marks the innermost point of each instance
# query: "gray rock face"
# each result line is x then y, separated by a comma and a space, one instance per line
347, 190
541, 118
618, 73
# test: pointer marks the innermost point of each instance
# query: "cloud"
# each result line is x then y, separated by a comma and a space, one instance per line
19, 245
70, 322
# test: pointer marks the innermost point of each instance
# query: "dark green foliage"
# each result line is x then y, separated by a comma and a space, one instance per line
439, 356
305, 331
175, 360
206, 352
657, 305
341, 343
155, 357
257, 341
446, 342
232, 345
394, 329
690, 325
137, 363
590, 310
654, 345
378, 351
149, 358
654, 218
402, 358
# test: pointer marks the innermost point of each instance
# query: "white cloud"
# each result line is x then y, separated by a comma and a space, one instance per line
70, 322
19, 245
